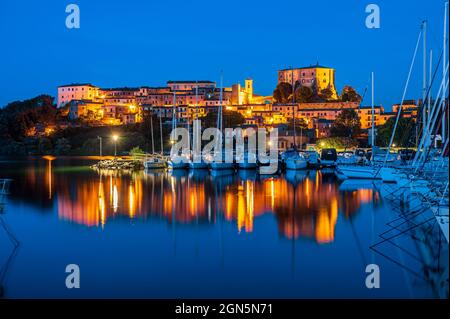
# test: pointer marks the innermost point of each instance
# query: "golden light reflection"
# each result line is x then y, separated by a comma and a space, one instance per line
309, 209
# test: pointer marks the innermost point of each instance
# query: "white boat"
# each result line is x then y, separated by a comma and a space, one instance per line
386, 174
380, 157
198, 165
180, 165
347, 158
296, 162
221, 165
312, 158
154, 163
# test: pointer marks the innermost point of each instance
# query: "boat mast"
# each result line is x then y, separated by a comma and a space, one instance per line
403, 99
161, 131
221, 102
219, 111
373, 115
424, 79
293, 106
151, 128
429, 85
444, 66
174, 111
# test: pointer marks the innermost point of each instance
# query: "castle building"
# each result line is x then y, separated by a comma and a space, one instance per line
316, 77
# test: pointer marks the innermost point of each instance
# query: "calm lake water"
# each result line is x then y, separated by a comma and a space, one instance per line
194, 235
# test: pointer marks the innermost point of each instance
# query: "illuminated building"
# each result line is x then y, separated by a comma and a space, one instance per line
67, 93
316, 77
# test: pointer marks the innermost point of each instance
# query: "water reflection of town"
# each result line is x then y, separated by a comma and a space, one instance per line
305, 204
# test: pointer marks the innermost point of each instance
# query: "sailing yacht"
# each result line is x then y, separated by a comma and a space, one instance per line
155, 162
292, 158
193, 164
365, 172
222, 165
182, 163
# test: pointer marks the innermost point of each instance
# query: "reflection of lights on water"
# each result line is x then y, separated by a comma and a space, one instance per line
131, 200
49, 174
101, 203
250, 205
50, 179
110, 190
186, 201
115, 198
272, 193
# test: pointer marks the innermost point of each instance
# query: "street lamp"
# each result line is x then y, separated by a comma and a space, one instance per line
115, 137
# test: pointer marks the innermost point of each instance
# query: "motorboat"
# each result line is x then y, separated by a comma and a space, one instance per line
328, 157
295, 161
312, 158
154, 163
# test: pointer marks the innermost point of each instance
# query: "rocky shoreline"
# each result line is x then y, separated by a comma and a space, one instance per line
119, 164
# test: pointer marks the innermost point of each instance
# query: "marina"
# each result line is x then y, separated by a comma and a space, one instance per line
218, 168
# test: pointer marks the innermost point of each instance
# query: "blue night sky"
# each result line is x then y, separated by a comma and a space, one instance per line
133, 43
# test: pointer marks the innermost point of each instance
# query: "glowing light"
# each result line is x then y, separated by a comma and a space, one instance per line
115, 137
115, 199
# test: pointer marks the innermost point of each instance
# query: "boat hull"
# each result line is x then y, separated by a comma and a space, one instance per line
181, 165
247, 165
200, 165
295, 164
222, 166
154, 165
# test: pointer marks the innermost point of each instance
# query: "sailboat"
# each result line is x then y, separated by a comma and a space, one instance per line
181, 164
155, 162
292, 158
366, 172
222, 165
193, 163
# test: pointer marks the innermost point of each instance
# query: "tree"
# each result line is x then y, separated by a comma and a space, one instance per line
303, 94
326, 94
404, 136
283, 93
62, 146
347, 124
136, 151
349, 94
231, 119
300, 123
339, 143
44, 146
17, 118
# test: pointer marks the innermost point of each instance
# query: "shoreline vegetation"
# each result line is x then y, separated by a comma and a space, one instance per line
35, 127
